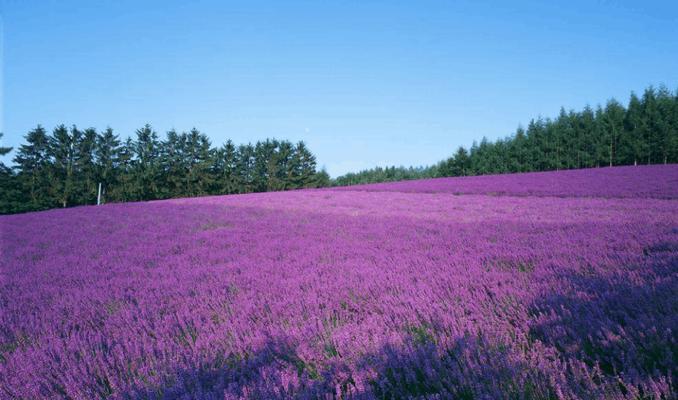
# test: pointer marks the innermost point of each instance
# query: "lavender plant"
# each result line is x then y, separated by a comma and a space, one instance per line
554, 285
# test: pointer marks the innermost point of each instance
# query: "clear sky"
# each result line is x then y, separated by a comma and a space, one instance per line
364, 83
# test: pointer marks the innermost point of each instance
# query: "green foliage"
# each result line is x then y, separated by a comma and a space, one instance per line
388, 174
107, 160
65, 168
145, 166
63, 151
646, 131
10, 196
33, 164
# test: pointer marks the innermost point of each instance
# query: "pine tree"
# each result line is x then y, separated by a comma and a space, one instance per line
519, 149
146, 164
63, 149
322, 179
611, 122
665, 124
33, 165
199, 176
672, 141
245, 168
462, 163
306, 166
225, 169
567, 148
632, 145
107, 155
85, 168
650, 126
551, 146
10, 195
534, 147
173, 164
586, 127
284, 165
125, 189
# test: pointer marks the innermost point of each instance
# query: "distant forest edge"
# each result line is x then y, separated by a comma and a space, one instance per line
643, 132
64, 168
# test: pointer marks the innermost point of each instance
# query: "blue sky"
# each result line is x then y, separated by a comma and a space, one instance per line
364, 83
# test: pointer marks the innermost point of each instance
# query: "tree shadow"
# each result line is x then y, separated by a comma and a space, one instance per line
603, 334
472, 368
620, 325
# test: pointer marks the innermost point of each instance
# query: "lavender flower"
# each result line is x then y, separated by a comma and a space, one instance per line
546, 285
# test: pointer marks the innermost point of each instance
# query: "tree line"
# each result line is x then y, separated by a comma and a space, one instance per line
65, 168
645, 131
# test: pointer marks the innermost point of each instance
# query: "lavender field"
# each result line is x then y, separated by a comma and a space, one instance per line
558, 285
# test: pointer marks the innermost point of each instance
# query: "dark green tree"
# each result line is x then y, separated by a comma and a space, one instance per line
264, 165
10, 195
666, 126
245, 171
125, 187
632, 146
462, 163
305, 164
64, 151
199, 162
225, 169
146, 164
85, 168
284, 168
611, 128
174, 164
107, 167
33, 169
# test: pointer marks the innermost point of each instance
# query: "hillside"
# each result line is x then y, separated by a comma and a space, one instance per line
647, 181
540, 285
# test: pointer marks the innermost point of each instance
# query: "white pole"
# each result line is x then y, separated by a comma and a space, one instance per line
99, 195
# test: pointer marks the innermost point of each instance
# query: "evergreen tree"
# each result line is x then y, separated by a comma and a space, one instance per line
462, 163
610, 132
245, 171
632, 146
225, 169
284, 166
651, 126
586, 127
264, 165
125, 188
63, 150
10, 195
306, 166
520, 156
85, 168
666, 126
107, 155
146, 164
322, 179
174, 164
33, 165
199, 174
